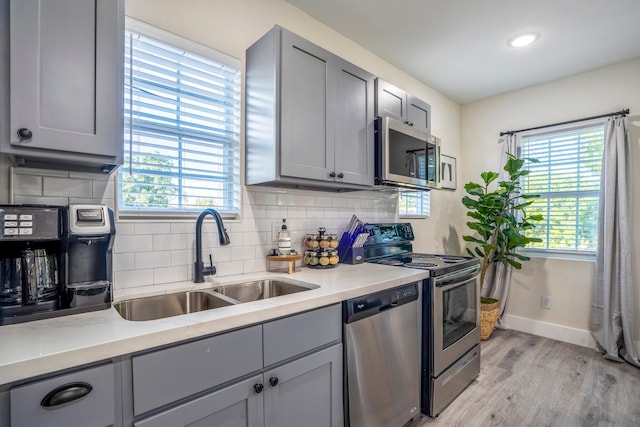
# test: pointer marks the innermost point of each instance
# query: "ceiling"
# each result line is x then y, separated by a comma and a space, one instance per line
459, 47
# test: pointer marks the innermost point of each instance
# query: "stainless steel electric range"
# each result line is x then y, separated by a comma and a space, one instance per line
450, 358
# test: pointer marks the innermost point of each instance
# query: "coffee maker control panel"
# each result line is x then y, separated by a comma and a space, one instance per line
29, 223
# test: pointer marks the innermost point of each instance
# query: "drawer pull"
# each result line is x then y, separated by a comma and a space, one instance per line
66, 393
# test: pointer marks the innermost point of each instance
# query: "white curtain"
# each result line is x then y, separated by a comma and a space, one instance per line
496, 282
612, 320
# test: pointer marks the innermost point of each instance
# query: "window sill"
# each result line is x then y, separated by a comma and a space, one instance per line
558, 254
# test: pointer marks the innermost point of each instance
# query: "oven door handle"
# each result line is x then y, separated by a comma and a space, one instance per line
458, 277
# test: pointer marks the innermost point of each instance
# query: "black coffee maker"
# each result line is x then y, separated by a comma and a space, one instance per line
54, 260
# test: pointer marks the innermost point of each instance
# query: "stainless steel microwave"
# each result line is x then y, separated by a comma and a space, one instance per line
406, 156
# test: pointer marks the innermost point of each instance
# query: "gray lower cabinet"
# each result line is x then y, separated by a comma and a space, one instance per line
285, 372
235, 406
394, 102
306, 392
310, 116
64, 83
84, 398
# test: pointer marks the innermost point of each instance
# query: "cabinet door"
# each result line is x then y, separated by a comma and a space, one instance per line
307, 149
419, 113
238, 405
66, 75
354, 142
307, 392
390, 101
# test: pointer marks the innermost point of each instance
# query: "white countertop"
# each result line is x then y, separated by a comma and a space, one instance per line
35, 348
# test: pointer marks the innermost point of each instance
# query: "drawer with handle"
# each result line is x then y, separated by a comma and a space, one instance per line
83, 398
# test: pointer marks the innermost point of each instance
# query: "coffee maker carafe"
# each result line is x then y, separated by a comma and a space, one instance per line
32, 258
54, 260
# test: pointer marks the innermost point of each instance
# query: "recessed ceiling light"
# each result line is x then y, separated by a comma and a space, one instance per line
523, 40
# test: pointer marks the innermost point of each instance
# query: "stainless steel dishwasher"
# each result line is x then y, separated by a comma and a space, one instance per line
382, 354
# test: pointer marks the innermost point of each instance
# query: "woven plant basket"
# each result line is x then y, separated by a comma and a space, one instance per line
489, 314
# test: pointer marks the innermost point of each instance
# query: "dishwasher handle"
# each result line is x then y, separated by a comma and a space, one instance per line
370, 305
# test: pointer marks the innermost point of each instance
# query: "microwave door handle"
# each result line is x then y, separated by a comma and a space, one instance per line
411, 163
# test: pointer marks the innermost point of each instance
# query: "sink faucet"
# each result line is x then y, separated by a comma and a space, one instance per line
199, 270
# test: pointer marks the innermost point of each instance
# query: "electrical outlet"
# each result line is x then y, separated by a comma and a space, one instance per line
546, 302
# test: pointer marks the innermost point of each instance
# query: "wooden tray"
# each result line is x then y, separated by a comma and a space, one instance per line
291, 259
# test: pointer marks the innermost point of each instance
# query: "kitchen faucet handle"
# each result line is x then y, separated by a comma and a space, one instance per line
210, 270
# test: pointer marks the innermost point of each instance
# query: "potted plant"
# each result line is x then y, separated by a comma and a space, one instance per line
500, 220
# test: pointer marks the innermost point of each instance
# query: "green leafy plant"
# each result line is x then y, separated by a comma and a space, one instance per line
501, 221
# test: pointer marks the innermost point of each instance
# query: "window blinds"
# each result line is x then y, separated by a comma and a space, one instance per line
182, 130
568, 180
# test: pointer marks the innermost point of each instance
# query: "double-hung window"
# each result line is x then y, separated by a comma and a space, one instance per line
182, 127
567, 178
414, 204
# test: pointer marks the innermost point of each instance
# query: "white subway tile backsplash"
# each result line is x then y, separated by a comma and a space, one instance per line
171, 274
229, 268
124, 261
243, 253
28, 185
102, 189
152, 228
148, 252
182, 257
167, 242
132, 243
67, 187
132, 279
155, 259
254, 265
124, 228
38, 200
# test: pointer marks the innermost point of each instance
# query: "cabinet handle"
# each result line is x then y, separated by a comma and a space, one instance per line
340, 175
273, 381
66, 393
24, 134
332, 175
258, 388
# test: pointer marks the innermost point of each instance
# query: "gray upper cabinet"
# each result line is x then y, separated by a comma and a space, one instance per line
309, 116
394, 102
66, 84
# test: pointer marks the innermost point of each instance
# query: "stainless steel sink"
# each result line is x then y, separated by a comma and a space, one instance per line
260, 289
168, 305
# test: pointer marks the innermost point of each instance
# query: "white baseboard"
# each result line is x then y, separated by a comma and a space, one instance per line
550, 330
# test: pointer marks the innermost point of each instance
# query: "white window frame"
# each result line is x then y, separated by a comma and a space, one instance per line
423, 201
206, 52
573, 254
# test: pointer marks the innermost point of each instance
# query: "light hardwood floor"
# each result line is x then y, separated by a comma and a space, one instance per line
526, 380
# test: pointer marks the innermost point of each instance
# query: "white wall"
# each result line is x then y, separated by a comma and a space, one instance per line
232, 26
149, 253
597, 92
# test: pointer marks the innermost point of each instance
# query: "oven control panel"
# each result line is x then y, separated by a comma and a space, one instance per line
389, 233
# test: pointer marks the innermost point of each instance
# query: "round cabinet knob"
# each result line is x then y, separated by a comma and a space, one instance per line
24, 134
332, 175
341, 175
258, 388
273, 381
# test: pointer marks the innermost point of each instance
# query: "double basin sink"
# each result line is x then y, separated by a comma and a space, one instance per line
168, 305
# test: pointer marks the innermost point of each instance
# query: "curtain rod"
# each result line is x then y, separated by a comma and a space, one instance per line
617, 113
